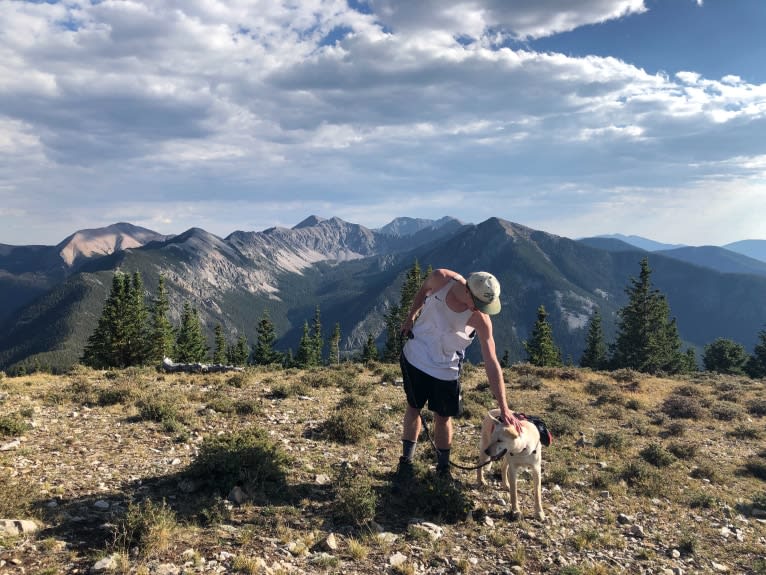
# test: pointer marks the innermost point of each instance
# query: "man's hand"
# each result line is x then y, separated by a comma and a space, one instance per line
509, 419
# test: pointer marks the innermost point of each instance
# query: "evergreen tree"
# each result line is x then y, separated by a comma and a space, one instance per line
370, 350
161, 336
136, 322
541, 349
398, 313
335, 346
190, 343
108, 344
316, 337
263, 351
219, 346
505, 361
239, 353
690, 361
595, 355
647, 339
306, 349
756, 364
725, 356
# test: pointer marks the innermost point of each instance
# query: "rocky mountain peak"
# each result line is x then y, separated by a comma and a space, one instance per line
88, 243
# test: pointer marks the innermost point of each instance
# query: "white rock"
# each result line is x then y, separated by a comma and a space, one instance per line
105, 564
397, 559
10, 445
17, 526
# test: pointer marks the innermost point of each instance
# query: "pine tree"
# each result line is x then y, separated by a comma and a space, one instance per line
219, 349
161, 335
595, 355
398, 313
370, 350
647, 339
263, 351
108, 344
305, 356
756, 364
239, 354
505, 361
690, 361
335, 346
316, 337
136, 322
725, 356
190, 343
541, 349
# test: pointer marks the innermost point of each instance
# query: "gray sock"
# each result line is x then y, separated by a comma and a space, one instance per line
408, 449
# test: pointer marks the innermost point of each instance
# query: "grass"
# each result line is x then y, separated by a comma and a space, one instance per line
275, 433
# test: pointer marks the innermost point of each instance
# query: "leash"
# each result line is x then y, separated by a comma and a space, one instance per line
497, 457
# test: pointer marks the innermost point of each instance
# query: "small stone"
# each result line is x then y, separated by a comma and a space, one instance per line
719, 568
101, 505
10, 445
675, 553
105, 564
331, 542
431, 529
397, 559
623, 519
167, 569
17, 526
322, 479
637, 531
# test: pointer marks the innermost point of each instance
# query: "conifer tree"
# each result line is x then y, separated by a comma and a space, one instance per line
370, 350
219, 345
689, 361
756, 364
136, 322
647, 339
190, 343
335, 345
306, 349
108, 344
595, 355
239, 353
541, 349
397, 313
725, 356
161, 334
505, 361
263, 351
316, 337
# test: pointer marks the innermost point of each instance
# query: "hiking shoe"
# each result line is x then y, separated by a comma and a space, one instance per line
405, 471
443, 471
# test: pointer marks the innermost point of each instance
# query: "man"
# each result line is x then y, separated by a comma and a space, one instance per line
446, 315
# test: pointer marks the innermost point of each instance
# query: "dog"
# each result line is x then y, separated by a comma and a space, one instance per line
521, 451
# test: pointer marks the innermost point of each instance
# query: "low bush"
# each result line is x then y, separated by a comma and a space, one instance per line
355, 500
757, 407
682, 407
247, 458
12, 425
610, 441
683, 450
657, 455
350, 422
147, 527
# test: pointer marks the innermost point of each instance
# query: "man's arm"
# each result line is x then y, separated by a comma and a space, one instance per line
483, 327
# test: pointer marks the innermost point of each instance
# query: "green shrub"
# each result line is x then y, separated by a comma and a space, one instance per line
116, 395
349, 423
626, 375
706, 471
147, 526
701, 501
12, 425
530, 382
559, 424
745, 433
355, 500
683, 450
565, 405
598, 387
247, 458
157, 408
756, 469
657, 455
725, 411
634, 405
643, 479
610, 441
682, 407
757, 407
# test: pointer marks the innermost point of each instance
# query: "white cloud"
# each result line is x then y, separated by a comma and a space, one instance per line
175, 109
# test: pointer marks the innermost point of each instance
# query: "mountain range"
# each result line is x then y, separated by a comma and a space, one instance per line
52, 295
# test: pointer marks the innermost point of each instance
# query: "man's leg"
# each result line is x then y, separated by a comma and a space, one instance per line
443, 441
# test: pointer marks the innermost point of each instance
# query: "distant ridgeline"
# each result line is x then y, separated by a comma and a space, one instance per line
328, 290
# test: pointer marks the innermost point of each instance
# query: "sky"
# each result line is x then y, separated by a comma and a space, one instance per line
574, 117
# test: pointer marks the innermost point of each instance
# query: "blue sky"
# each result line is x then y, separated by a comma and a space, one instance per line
576, 117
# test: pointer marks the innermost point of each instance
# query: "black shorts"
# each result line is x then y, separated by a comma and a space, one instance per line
444, 397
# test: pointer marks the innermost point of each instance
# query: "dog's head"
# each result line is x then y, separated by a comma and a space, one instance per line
503, 439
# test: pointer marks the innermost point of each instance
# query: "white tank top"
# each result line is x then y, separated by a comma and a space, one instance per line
440, 337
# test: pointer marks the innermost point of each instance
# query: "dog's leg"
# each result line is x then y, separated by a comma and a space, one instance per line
536, 480
512, 473
486, 432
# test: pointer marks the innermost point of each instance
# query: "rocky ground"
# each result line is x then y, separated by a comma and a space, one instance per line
645, 475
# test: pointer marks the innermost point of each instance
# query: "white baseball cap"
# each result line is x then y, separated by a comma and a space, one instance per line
485, 291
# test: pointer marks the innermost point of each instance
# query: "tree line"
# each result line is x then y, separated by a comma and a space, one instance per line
647, 340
